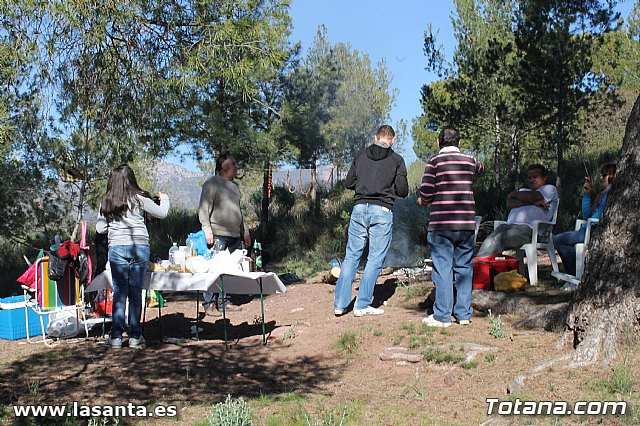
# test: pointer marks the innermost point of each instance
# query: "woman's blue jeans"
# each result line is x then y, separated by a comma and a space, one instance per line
369, 223
128, 267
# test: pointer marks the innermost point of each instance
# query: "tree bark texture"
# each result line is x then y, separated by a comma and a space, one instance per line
606, 305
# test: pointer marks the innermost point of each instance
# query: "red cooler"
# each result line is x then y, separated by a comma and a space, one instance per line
485, 268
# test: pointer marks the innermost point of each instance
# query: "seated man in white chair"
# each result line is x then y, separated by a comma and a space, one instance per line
538, 202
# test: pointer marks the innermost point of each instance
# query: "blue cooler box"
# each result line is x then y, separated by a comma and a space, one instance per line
12, 322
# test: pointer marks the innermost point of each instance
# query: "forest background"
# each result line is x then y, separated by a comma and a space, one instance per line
88, 87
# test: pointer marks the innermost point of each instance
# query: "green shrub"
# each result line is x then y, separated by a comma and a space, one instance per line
497, 327
304, 240
621, 381
468, 365
417, 291
230, 412
330, 418
176, 227
348, 342
441, 356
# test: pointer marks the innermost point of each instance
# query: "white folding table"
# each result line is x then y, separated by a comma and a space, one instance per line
224, 280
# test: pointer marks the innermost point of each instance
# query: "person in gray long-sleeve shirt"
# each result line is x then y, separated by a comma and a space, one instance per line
122, 217
221, 219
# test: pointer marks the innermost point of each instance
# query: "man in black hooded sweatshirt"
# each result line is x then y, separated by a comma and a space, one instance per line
378, 175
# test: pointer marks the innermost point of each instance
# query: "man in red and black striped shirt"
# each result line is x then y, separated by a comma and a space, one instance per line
447, 186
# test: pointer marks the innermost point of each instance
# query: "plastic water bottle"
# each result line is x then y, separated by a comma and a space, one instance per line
212, 252
172, 253
189, 244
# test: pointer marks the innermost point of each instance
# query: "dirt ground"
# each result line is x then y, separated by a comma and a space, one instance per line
316, 368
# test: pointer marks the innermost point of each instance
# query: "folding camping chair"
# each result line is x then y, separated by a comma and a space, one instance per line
58, 299
54, 298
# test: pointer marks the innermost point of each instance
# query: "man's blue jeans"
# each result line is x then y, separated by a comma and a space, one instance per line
221, 243
452, 254
565, 244
372, 223
128, 267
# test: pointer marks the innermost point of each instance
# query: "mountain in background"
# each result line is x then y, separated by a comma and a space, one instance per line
183, 186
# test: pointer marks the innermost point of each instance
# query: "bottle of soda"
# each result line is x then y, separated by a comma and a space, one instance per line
254, 257
259, 257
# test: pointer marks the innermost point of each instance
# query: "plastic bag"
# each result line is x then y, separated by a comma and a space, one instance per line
63, 324
199, 241
197, 265
509, 281
155, 299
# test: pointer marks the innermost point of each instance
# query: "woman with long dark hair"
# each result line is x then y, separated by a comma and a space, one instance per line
122, 217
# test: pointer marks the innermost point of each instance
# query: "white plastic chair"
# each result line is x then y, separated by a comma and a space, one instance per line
478, 222
581, 254
544, 241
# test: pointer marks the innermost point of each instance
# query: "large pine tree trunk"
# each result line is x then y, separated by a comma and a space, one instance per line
606, 307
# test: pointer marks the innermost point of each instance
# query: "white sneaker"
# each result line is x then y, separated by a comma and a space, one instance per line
432, 322
139, 343
369, 310
464, 322
113, 342
338, 312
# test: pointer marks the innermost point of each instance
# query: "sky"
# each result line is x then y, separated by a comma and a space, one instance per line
393, 31
389, 31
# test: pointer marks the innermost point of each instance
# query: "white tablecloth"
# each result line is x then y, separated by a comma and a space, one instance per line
235, 282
